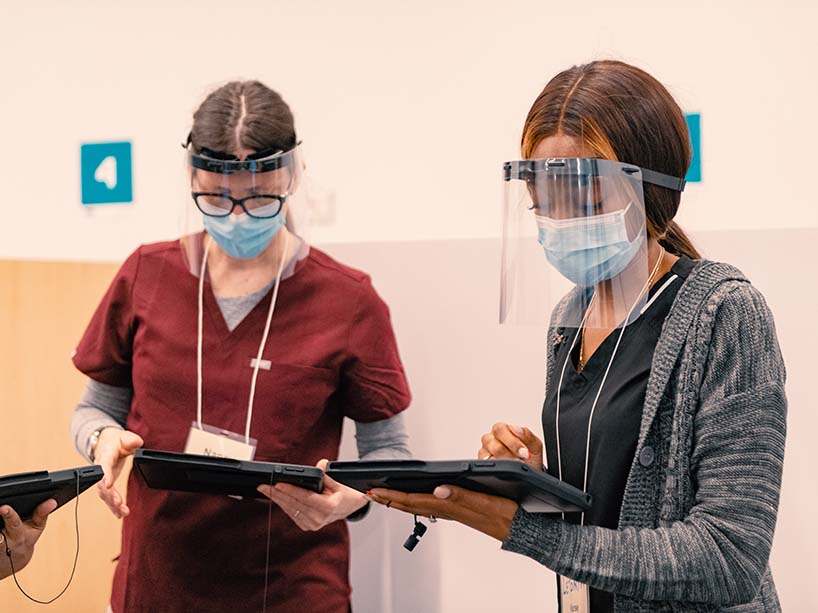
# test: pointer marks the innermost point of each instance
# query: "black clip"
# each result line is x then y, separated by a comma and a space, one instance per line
414, 538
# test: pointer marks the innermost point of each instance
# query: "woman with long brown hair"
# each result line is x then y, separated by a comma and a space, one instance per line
238, 336
664, 384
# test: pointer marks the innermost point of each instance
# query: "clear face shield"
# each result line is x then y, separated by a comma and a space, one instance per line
588, 217
242, 204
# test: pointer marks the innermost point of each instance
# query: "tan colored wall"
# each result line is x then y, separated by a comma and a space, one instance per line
44, 307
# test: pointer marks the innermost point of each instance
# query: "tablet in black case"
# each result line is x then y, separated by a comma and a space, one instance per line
25, 491
184, 472
536, 491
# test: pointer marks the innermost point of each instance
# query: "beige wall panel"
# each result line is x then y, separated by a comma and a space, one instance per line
44, 307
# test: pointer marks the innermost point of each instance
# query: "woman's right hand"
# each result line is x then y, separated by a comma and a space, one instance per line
507, 441
113, 446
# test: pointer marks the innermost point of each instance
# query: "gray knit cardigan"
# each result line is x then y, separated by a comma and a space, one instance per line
701, 499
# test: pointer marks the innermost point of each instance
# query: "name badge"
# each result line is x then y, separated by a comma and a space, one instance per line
574, 596
219, 443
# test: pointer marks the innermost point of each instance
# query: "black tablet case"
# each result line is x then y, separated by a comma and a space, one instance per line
25, 491
536, 491
185, 472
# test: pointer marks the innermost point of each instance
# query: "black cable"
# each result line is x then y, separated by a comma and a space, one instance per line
269, 531
76, 555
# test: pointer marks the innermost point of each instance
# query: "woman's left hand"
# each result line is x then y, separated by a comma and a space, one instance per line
311, 511
491, 515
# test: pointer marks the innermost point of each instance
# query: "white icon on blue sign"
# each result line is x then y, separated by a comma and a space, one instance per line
106, 175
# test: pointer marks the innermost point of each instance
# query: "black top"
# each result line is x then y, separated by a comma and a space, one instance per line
618, 414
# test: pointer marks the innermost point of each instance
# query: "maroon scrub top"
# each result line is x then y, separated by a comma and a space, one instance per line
333, 354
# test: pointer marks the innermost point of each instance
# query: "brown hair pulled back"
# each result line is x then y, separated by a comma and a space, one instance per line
621, 113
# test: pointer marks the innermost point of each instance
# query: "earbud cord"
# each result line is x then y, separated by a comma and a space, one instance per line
76, 555
269, 533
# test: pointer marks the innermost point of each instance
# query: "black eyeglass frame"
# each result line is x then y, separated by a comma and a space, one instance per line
281, 198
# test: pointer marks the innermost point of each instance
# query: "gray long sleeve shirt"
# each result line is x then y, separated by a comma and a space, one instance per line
106, 406
700, 505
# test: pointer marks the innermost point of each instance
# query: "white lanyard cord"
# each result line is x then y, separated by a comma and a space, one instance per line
658, 293
257, 364
199, 337
270, 312
601, 385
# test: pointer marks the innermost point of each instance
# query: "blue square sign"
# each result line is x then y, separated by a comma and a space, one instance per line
694, 128
105, 172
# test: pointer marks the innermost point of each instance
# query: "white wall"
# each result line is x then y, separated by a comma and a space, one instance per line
406, 109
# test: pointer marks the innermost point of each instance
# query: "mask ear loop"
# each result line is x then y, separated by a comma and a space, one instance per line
76, 555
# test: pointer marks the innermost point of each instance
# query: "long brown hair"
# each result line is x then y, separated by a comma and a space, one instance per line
246, 115
621, 113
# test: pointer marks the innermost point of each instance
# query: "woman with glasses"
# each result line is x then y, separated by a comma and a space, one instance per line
238, 337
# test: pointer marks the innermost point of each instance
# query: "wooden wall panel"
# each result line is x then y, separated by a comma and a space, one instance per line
44, 307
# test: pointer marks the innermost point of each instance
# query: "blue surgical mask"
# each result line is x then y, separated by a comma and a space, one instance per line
589, 250
242, 236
